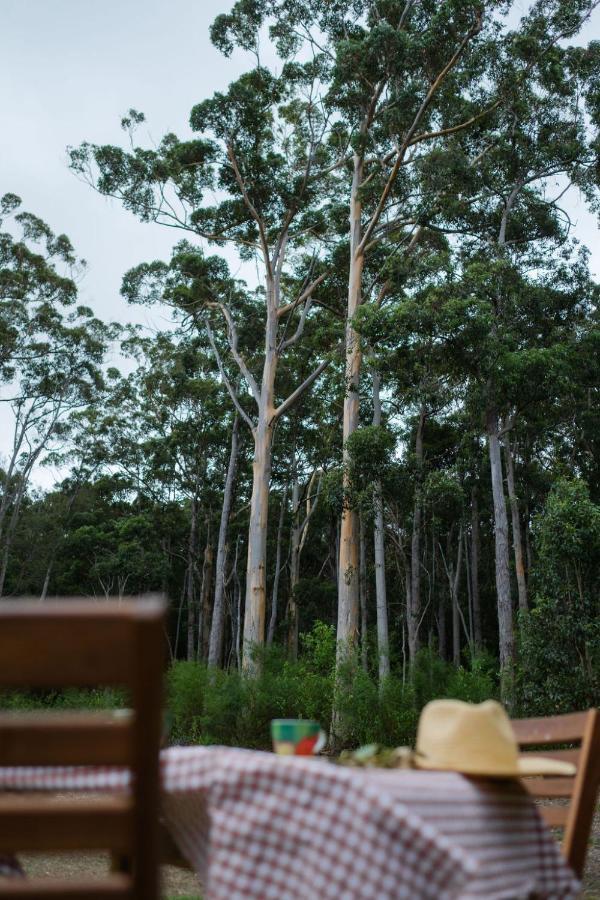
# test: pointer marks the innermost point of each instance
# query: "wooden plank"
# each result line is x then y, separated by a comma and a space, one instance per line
571, 756
33, 822
69, 739
114, 886
83, 643
555, 816
551, 730
549, 787
585, 795
149, 655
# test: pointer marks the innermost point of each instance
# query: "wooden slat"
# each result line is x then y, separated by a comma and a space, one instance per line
69, 739
549, 787
114, 886
72, 642
554, 816
44, 823
571, 756
555, 729
585, 795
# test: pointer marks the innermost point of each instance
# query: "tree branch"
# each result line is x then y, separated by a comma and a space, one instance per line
232, 337
251, 208
226, 381
283, 407
411, 131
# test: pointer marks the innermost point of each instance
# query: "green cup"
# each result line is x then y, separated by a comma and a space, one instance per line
297, 737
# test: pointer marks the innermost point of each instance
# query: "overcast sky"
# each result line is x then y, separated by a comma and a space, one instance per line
69, 70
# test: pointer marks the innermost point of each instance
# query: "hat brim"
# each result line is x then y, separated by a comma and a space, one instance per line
527, 764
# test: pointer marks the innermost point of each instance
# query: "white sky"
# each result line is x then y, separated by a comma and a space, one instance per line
69, 69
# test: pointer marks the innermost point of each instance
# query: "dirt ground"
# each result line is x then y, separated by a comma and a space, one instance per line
176, 882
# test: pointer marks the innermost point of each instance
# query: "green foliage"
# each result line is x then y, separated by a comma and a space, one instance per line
218, 707
72, 698
560, 635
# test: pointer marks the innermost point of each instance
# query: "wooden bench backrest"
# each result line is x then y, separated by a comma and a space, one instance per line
575, 817
82, 643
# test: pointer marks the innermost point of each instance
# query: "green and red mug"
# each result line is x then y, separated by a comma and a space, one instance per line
297, 737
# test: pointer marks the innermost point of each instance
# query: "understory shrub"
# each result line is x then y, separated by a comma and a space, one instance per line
219, 707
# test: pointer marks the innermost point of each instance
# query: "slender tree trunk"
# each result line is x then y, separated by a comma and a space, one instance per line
383, 643
475, 569
528, 552
215, 644
237, 605
9, 533
516, 526
275, 593
364, 589
256, 582
348, 590
296, 538
205, 595
454, 582
47, 577
189, 594
414, 611
505, 611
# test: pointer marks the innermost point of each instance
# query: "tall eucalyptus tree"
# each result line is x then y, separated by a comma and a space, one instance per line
261, 152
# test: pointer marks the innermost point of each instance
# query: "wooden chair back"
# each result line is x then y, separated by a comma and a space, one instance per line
82, 643
575, 817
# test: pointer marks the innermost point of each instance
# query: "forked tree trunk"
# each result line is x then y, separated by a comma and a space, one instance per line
516, 526
505, 612
383, 648
215, 644
348, 589
414, 610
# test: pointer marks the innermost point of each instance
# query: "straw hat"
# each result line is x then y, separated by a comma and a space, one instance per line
476, 739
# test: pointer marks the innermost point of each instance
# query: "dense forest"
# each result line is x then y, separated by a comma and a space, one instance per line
383, 443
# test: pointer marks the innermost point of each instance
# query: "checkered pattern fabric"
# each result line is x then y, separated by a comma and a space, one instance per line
254, 825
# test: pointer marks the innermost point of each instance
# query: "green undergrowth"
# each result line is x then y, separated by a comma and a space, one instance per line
225, 707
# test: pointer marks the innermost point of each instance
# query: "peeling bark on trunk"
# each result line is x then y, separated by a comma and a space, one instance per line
348, 589
505, 611
475, 570
383, 642
215, 644
516, 526
414, 610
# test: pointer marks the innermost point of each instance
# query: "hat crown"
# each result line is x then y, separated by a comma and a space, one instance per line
467, 737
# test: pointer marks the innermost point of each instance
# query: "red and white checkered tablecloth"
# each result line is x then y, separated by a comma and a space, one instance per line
257, 826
